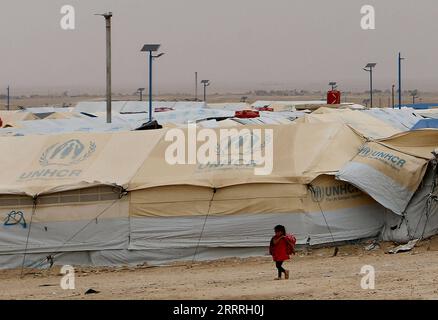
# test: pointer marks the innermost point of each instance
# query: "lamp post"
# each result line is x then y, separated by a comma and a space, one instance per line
369, 68
108, 17
333, 85
366, 101
196, 86
151, 48
140, 91
206, 83
414, 94
8, 100
399, 80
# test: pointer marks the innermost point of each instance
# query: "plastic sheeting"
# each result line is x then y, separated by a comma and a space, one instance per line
161, 240
402, 119
420, 220
255, 230
390, 176
426, 123
77, 124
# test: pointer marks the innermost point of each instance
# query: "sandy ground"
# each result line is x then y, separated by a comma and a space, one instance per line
315, 275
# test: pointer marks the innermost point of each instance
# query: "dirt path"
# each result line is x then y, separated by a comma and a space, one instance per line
412, 275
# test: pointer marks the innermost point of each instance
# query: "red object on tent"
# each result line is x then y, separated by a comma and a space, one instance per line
1, 123
265, 109
163, 109
334, 97
247, 114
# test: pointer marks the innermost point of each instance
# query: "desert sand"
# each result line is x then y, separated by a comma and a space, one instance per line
314, 275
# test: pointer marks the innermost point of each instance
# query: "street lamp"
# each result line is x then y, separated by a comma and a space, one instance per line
333, 85
140, 91
400, 79
151, 48
369, 68
196, 86
414, 94
206, 83
108, 17
8, 99
366, 101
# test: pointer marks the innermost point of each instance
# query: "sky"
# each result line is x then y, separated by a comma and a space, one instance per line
239, 45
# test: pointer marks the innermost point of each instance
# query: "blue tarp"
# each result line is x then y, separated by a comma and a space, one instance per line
421, 106
426, 123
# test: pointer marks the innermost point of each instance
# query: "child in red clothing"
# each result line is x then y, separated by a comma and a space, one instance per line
278, 250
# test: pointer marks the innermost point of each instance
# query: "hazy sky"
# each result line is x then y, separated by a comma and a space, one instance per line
237, 44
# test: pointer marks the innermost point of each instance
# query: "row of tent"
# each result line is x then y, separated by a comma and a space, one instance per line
106, 198
131, 115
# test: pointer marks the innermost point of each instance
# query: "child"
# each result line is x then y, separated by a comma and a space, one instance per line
278, 250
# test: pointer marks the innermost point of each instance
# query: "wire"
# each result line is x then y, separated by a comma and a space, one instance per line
203, 227
51, 257
28, 235
323, 215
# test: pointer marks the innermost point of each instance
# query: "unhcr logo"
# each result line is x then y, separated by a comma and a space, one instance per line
221, 149
334, 192
242, 143
386, 157
317, 194
61, 155
67, 153
364, 151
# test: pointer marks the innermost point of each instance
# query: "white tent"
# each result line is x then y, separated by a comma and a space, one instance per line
112, 198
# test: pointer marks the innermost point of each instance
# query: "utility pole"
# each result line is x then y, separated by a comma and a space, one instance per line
399, 80
196, 86
369, 68
140, 90
151, 48
414, 94
371, 87
8, 100
108, 17
206, 83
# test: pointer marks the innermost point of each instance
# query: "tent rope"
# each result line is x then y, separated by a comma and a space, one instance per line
34, 205
325, 219
51, 257
203, 226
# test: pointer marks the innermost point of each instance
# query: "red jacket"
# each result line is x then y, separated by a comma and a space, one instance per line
279, 250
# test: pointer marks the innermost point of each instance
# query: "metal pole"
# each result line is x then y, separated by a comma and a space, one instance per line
399, 81
150, 86
371, 87
205, 92
196, 86
108, 67
8, 100
393, 96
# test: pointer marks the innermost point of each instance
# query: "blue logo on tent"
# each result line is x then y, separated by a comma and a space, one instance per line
14, 218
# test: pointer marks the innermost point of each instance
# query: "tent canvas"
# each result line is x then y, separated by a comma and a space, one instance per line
126, 204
